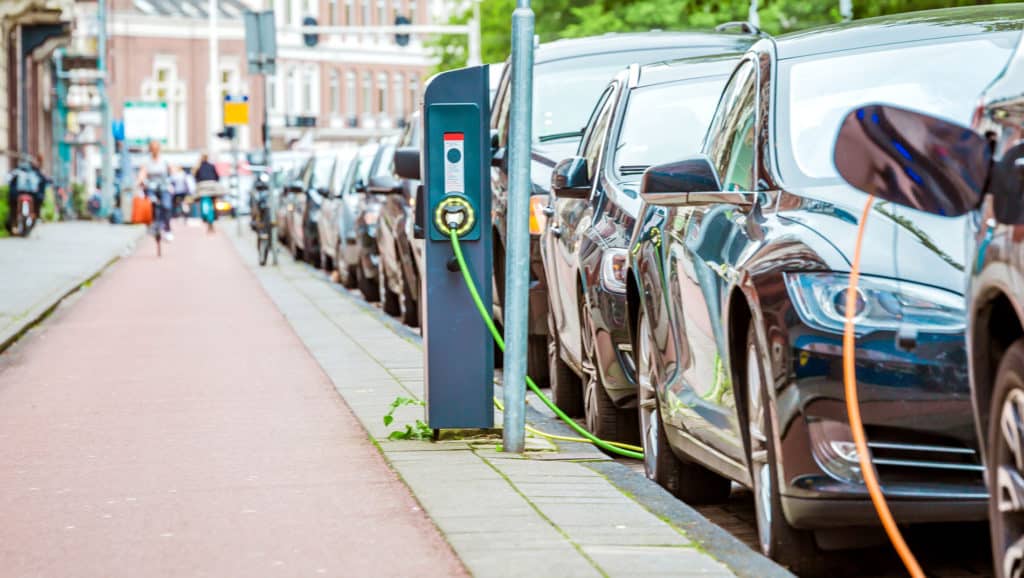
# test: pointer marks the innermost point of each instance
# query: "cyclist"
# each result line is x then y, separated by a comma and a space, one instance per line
154, 169
27, 177
207, 187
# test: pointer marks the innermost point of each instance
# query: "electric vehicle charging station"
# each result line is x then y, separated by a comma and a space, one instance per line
458, 349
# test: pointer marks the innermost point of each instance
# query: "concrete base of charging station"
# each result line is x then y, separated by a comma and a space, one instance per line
562, 509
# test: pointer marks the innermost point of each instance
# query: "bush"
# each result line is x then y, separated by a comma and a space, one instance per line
79, 200
48, 212
4, 210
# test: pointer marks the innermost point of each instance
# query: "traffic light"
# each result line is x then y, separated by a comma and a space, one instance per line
227, 134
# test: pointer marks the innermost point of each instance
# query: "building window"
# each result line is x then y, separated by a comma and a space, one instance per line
412, 11
382, 93
271, 95
350, 12
165, 86
414, 91
289, 92
398, 92
382, 12
351, 110
332, 12
367, 8
367, 94
289, 13
307, 91
335, 88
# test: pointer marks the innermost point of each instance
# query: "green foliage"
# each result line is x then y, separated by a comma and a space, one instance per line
577, 18
48, 212
4, 211
79, 200
415, 431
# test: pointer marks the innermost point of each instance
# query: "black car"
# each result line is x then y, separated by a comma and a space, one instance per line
645, 115
569, 76
977, 173
400, 253
739, 282
374, 161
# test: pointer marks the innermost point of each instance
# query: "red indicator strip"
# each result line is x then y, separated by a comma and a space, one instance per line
454, 136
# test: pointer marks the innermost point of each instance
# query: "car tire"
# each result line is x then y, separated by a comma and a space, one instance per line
370, 288
1006, 417
311, 252
686, 480
566, 389
296, 252
603, 418
389, 299
410, 308
781, 542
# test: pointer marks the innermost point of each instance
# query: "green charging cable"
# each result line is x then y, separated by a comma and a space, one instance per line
612, 447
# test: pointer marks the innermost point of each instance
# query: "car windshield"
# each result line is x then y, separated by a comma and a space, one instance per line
665, 122
322, 171
815, 93
565, 91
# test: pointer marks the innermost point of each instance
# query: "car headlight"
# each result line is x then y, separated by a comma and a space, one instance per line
882, 304
613, 270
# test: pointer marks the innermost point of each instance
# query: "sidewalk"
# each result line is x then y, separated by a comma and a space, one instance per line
562, 511
54, 260
170, 423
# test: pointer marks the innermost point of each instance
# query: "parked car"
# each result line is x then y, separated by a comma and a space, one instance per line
375, 160
336, 224
290, 189
569, 76
308, 192
643, 117
978, 174
401, 254
738, 284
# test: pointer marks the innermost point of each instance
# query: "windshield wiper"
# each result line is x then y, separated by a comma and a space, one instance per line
560, 136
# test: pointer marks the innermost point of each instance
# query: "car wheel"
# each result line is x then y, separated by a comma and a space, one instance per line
389, 299
368, 287
603, 418
410, 308
311, 252
296, 252
777, 539
566, 389
688, 481
1005, 454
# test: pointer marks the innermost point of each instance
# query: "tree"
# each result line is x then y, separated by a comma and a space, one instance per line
577, 18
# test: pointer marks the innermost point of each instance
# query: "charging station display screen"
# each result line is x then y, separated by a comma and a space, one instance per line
454, 163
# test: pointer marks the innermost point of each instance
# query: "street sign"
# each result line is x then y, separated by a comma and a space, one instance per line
311, 39
236, 110
261, 42
402, 39
145, 121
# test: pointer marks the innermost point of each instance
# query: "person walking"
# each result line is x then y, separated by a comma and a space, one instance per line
207, 188
157, 171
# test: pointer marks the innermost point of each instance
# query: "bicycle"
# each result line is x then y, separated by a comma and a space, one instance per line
262, 220
156, 189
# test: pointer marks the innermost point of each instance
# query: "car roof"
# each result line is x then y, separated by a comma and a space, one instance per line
687, 68
901, 28
644, 41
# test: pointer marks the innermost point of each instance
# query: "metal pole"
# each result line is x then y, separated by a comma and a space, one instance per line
473, 58
517, 282
234, 181
107, 139
266, 160
213, 98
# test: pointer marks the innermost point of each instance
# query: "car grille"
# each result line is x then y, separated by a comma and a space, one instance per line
904, 456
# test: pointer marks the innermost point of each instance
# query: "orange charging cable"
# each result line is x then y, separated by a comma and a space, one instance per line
853, 410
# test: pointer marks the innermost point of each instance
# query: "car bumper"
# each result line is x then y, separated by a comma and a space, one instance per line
815, 514
538, 291
613, 345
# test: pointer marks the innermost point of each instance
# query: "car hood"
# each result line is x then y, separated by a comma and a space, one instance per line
899, 242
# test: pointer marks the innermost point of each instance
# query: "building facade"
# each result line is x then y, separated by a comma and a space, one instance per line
348, 87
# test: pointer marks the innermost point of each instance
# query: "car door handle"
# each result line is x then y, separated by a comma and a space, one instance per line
556, 231
549, 211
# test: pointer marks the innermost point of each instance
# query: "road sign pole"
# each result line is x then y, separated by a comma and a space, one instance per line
107, 138
517, 282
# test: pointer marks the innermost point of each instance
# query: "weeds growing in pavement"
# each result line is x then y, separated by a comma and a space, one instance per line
414, 431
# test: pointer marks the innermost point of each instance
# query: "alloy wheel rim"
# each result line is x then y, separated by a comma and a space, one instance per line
760, 469
1008, 525
589, 368
648, 401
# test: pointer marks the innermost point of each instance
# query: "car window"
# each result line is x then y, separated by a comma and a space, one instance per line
593, 138
731, 136
664, 123
322, 167
387, 161
503, 113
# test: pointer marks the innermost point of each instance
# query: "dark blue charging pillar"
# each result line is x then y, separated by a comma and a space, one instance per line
459, 351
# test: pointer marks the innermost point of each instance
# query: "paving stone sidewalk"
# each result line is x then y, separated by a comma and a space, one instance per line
548, 514
53, 261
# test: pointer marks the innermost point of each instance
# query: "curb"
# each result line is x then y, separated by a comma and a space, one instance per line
37, 314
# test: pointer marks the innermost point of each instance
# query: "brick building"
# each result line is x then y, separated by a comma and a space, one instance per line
353, 87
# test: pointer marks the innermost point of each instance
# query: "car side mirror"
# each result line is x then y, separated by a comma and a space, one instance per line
570, 179
385, 185
360, 187
692, 181
407, 163
913, 159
